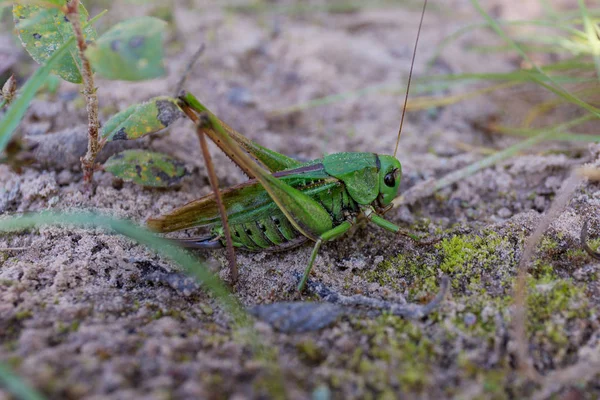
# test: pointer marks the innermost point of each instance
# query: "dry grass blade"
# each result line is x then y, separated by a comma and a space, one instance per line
15, 385
427, 188
520, 293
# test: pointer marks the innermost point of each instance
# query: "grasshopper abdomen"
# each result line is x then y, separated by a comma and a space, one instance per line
266, 228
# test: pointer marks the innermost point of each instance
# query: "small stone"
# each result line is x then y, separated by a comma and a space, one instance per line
241, 96
553, 183
504, 212
469, 319
345, 344
321, 392
487, 313
585, 273
539, 203
64, 177
373, 287
263, 328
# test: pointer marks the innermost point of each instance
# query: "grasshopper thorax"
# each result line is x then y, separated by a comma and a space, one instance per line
369, 178
390, 174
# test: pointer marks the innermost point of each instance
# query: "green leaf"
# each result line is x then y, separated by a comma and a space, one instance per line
131, 50
15, 113
146, 168
142, 119
43, 30
17, 386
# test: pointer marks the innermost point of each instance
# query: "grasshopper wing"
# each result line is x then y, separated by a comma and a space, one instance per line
270, 159
242, 201
204, 211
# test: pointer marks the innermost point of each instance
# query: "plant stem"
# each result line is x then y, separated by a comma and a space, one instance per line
88, 162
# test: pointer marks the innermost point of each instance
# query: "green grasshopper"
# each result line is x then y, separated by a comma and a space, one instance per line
287, 202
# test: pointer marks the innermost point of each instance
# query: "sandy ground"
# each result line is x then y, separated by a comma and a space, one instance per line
82, 317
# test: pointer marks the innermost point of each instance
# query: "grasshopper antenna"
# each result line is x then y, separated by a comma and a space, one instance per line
412, 64
188, 69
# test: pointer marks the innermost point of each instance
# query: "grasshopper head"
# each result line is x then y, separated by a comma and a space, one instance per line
390, 174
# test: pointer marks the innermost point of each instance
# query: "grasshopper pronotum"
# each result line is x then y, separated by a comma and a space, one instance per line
287, 202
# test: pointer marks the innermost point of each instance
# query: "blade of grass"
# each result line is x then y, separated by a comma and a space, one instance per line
592, 36
18, 107
547, 106
522, 76
427, 188
41, 3
303, 8
325, 100
242, 322
423, 103
562, 135
466, 29
552, 86
143, 236
506, 153
17, 110
16, 386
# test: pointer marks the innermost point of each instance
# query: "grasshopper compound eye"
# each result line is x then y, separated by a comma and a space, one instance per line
390, 179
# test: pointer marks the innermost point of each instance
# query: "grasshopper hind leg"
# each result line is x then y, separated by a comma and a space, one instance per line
208, 242
329, 235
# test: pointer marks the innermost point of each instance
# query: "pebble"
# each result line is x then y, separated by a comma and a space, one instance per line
504, 212
470, 319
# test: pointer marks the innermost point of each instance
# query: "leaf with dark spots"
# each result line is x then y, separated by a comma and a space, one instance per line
297, 317
168, 111
131, 50
136, 41
120, 135
146, 168
142, 119
43, 30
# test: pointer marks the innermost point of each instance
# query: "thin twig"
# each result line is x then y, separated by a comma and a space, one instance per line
584, 243
14, 248
188, 69
88, 162
519, 322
